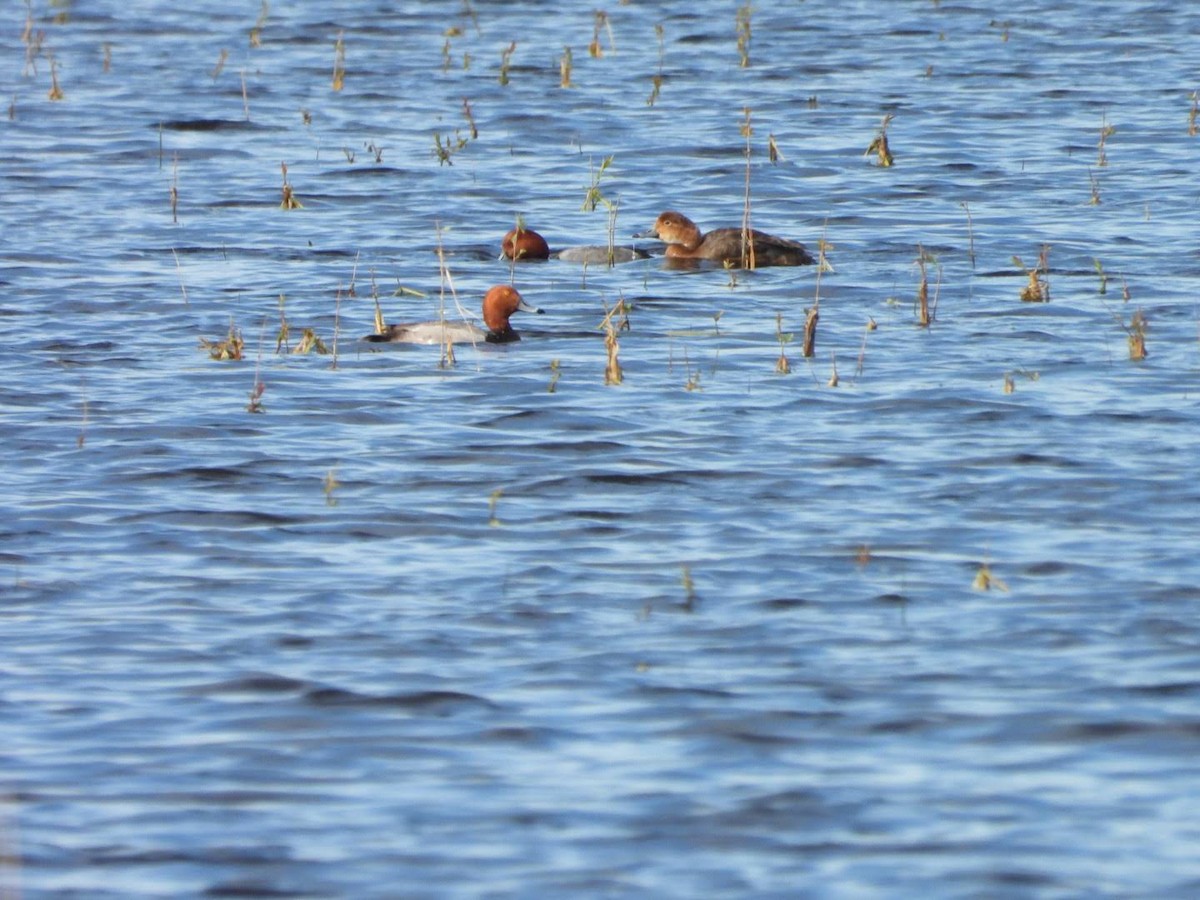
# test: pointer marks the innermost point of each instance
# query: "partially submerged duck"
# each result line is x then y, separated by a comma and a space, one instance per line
525, 243
498, 304
684, 240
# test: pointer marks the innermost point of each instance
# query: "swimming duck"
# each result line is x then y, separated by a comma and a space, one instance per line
525, 243
498, 304
724, 245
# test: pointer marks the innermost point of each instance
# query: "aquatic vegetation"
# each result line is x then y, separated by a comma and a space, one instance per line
309, 342
1095, 185
179, 272
808, 345
255, 405
747, 131
600, 22
1135, 330
984, 580
657, 79
231, 348
245, 97
493, 502
862, 349
782, 366
564, 69
174, 191
290, 200
555, 374
339, 63
690, 598
259, 23
32, 40
337, 323
444, 151
329, 484
1136, 333
282, 337
506, 61
1009, 378
742, 19
1106, 131
925, 310
812, 315
1038, 288
56, 92
612, 368
470, 119
220, 64
879, 146
594, 195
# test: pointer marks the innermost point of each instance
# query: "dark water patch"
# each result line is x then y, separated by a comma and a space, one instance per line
234, 125
437, 702
1022, 458
207, 518
253, 887
785, 604
675, 694
216, 475
263, 683
1050, 568
636, 479
1165, 689
853, 461
520, 736
60, 346
1118, 729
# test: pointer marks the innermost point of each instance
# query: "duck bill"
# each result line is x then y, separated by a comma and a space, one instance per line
650, 232
528, 307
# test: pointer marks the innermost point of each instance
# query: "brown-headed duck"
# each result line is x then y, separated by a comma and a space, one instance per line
498, 304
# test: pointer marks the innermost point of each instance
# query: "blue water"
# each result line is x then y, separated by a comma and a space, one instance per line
499, 628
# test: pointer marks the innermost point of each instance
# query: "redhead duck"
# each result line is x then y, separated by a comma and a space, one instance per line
525, 243
724, 245
498, 304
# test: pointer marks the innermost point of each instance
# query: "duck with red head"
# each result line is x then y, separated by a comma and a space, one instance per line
684, 240
499, 304
524, 243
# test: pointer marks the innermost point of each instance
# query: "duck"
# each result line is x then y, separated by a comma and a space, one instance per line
499, 303
684, 240
524, 243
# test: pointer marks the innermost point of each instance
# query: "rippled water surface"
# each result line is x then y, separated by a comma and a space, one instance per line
499, 628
